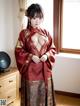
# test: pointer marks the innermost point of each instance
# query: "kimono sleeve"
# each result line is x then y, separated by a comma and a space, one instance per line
22, 55
51, 51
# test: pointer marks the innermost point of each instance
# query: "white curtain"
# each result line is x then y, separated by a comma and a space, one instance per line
22, 7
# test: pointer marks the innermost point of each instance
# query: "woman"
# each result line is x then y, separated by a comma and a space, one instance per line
35, 56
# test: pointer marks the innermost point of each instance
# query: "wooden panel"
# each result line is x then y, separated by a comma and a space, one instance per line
9, 85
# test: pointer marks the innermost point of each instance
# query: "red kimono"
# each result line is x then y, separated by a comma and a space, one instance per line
36, 79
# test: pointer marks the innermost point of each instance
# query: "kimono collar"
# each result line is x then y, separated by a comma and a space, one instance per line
37, 30
33, 29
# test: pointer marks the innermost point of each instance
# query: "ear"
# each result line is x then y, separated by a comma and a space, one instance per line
29, 21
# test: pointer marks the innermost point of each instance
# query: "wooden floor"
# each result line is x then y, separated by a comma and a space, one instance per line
67, 101
60, 100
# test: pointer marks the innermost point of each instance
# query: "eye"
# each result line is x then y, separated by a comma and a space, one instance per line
34, 18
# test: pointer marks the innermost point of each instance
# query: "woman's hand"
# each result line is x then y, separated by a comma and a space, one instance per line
44, 58
36, 59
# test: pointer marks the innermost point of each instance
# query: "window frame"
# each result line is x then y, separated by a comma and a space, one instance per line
57, 24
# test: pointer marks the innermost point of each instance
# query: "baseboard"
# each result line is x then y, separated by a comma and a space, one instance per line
70, 94
67, 94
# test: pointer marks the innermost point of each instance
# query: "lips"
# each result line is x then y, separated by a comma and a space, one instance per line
36, 24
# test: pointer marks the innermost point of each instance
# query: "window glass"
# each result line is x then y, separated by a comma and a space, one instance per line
71, 24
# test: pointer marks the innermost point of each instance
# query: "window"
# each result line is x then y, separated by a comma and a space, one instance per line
66, 25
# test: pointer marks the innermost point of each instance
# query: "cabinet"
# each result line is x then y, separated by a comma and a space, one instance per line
9, 85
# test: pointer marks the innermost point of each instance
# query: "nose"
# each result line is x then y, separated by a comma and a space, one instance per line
37, 20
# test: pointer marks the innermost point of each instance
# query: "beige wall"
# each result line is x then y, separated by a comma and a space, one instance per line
66, 73
9, 26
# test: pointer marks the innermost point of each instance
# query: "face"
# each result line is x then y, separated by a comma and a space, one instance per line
35, 22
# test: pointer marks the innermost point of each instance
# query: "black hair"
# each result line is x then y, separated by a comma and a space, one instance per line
33, 11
